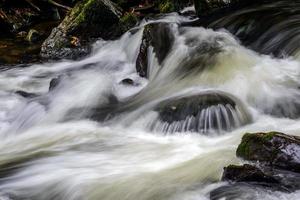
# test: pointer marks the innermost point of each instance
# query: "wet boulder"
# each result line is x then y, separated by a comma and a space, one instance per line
158, 36
55, 82
274, 149
88, 20
247, 173
203, 113
265, 176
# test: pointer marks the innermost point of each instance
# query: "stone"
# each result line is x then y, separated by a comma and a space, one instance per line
247, 173
54, 82
158, 36
127, 81
274, 149
87, 21
26, 94
203, 113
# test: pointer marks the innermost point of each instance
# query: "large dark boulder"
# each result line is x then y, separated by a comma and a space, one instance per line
89, 19
274, 149
203, 113
160, 37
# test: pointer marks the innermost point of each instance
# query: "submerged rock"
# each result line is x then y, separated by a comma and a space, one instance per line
203, 113
160, 37
287, 107
274, 148
55, 82
100, 113
243, 191
127, 81
89, 19
26, 94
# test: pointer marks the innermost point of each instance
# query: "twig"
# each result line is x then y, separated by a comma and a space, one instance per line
59, 5
34, 6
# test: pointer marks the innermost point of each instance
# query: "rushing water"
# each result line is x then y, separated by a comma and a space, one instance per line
91, 137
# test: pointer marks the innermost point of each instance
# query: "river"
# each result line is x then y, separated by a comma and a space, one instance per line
52, 147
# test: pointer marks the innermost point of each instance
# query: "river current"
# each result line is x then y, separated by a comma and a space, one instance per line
52, 147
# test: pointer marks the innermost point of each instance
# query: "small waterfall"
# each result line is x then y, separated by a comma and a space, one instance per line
202, 113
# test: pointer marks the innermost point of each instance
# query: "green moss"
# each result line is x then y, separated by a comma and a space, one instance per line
128, 21
254, 139
129, 18
243, 149
166, 6
80, 10
269, 136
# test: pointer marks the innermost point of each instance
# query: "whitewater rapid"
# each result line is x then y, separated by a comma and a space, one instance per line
50, 148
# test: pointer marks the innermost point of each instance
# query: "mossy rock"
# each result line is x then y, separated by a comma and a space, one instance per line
273, 148
88, 20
